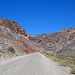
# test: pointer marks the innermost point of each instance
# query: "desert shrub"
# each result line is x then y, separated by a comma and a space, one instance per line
0, 55
56, 59
61, 56
73, 70
11, 49
65, 63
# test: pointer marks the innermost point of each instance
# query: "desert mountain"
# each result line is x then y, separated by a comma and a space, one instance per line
68, 50
57, 41
13, 35
35, 38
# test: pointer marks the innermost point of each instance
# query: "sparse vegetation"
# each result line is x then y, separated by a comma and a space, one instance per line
10, 49
0, 55
73, 70
67, 61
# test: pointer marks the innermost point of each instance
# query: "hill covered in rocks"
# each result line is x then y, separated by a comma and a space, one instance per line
57, 41
13, 35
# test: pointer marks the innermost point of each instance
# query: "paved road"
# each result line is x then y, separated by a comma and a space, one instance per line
32, 64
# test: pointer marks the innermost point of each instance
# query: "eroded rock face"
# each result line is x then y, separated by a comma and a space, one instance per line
13, 26
58, 40
13, 35
5, 43
37, 38
69, 50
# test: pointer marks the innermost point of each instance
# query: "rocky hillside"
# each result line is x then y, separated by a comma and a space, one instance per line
13, 26
69, 50
57, 41
35, 38
13, 35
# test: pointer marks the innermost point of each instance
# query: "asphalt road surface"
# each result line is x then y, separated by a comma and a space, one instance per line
32, 64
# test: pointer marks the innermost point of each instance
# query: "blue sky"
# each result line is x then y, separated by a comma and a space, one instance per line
40, 16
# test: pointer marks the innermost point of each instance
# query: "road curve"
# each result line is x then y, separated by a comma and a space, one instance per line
32, 64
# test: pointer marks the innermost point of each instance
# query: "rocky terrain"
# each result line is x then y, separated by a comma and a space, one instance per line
69, 50
13, 35
13, 26
35, 38
58, 42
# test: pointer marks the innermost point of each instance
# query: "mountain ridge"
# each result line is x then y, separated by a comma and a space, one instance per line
13, 35
57, 40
